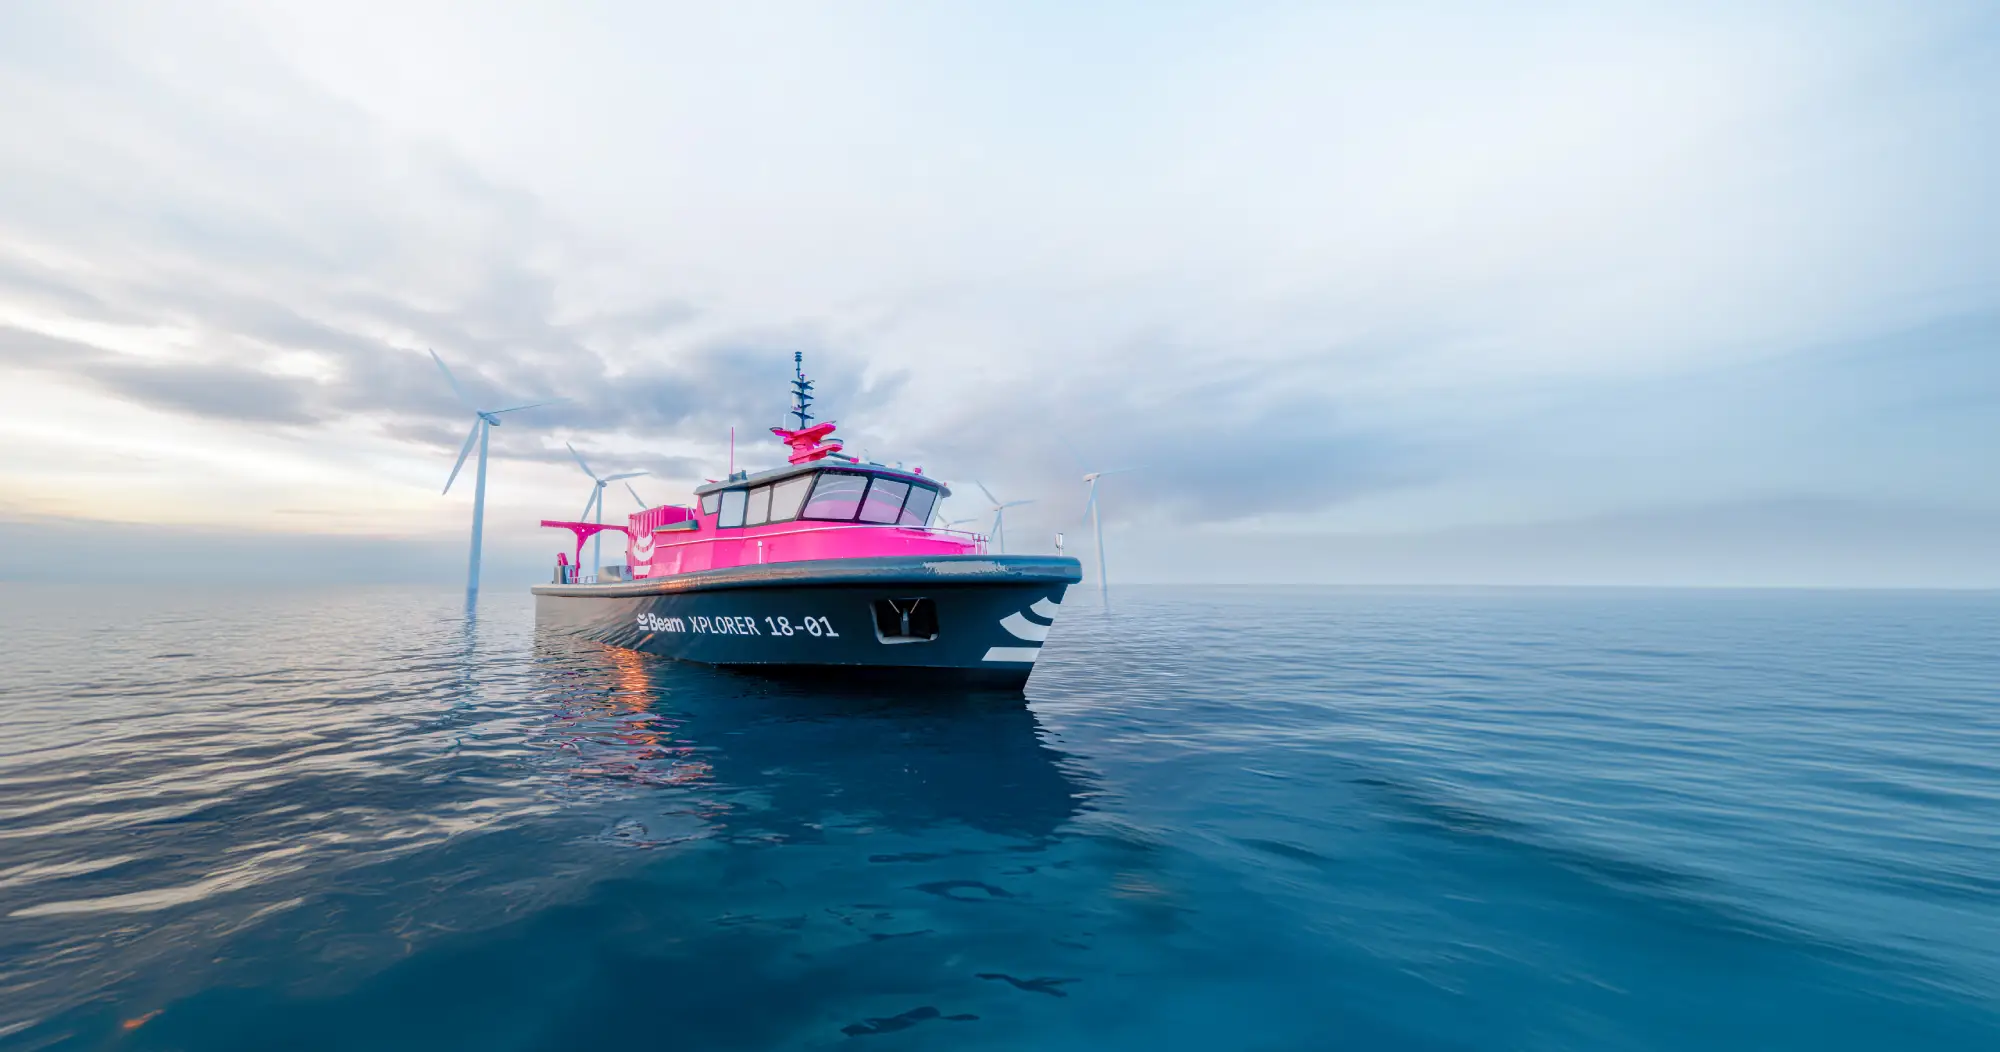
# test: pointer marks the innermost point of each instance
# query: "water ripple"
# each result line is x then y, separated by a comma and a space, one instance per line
349, 818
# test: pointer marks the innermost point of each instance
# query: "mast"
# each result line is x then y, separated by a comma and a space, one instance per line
801, 390
810, 441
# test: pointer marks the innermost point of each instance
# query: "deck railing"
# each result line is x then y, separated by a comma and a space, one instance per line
569, 574
978, 538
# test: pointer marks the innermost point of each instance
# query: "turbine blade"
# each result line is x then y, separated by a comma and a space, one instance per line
579, 460
453, 381
1016, 503
518, 408
625, 475
463, 452
988, 492
636, 496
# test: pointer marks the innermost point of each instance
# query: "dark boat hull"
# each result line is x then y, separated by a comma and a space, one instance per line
976, 620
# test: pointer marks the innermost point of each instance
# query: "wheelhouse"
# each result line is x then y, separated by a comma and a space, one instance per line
822, 505
820, 493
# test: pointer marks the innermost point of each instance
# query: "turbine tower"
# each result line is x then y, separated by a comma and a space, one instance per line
596, 504
484, 420
1095, 514
999, 531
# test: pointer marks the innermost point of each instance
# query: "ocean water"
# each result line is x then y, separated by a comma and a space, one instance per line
1220, 819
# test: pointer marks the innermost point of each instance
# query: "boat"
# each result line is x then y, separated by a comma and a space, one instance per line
829, 567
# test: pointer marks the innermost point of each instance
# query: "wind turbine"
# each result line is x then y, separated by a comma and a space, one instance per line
1095, 514
596, 504
999, 530
484, 420
943, 523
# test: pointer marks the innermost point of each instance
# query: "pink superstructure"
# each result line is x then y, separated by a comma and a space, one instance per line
822, 505
709, 547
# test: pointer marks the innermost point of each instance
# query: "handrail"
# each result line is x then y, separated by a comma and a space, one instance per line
818, 529
979, 537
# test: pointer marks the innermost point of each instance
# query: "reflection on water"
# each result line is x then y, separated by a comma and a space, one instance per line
500, 826
794, 758
355, 819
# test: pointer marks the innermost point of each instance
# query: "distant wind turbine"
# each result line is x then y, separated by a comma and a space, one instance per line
596, 503
484, 420
1095, 514
999, 530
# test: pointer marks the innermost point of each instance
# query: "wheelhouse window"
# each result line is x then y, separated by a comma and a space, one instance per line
734, 503
760, 507
885, 501
710, 502
836, 496
917, 510
786, 497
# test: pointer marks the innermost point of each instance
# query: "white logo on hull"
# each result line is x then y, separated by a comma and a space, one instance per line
1020, 627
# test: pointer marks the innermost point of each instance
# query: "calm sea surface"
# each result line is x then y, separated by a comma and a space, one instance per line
1221, 819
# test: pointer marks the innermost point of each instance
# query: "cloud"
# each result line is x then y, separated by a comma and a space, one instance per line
72, 551
1310, 270
1765, 543
1769, 543
219, 391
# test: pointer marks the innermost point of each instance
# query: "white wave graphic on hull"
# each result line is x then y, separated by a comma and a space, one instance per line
1021, 627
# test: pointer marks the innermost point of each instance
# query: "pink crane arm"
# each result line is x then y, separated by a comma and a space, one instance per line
584, 531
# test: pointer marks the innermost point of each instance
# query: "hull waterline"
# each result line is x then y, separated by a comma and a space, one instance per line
966, 619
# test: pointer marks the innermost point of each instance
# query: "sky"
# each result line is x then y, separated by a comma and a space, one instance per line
1429, 293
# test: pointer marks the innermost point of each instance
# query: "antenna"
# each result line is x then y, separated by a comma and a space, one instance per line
801, 390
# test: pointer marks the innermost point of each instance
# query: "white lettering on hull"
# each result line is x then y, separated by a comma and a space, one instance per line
812, 625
